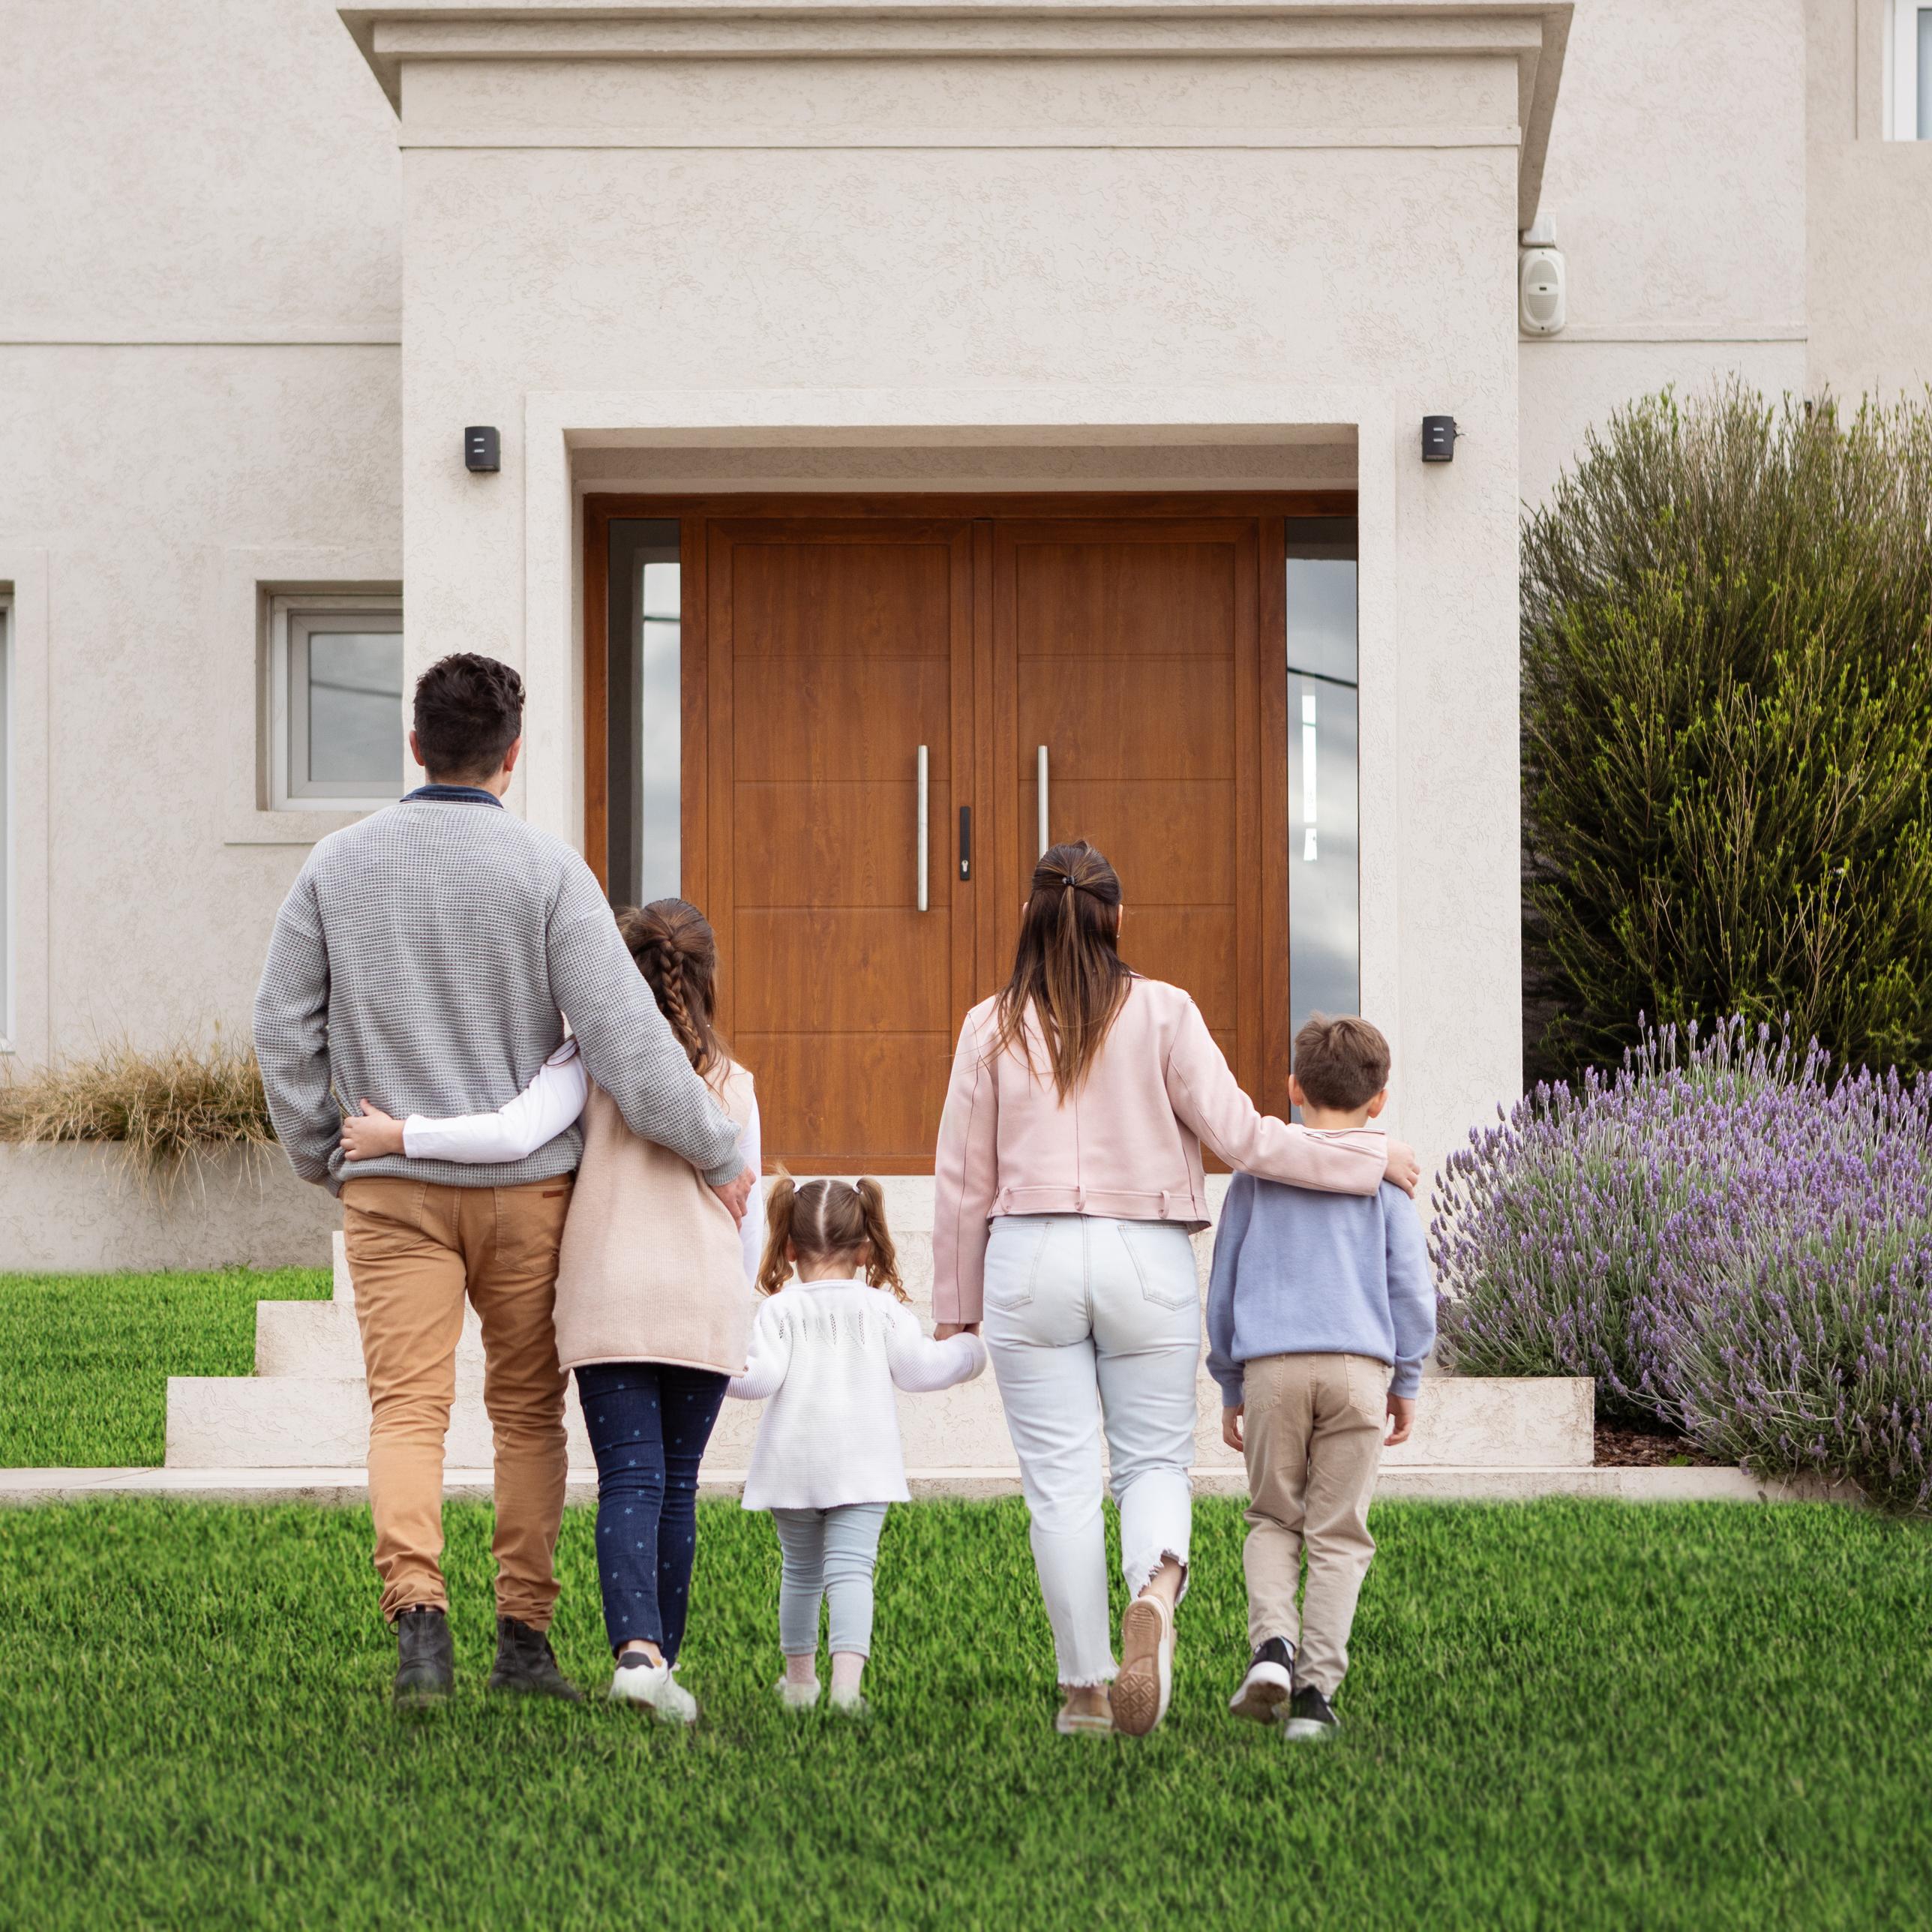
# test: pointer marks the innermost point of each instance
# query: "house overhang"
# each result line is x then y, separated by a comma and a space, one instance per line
1533, 34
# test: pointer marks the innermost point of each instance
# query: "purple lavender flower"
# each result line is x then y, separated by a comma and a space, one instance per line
1729, 1239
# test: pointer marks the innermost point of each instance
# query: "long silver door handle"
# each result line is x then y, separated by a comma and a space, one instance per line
1044, 841
923, 841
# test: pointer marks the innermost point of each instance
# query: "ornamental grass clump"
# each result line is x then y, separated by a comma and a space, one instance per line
1734, 1244
165, 1108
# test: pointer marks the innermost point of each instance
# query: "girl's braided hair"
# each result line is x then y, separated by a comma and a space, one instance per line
677, 953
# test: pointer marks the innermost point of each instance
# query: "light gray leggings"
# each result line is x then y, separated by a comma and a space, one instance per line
828, 1554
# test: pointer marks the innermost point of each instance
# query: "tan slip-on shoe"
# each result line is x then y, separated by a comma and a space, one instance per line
1071, 1724
1140, 1693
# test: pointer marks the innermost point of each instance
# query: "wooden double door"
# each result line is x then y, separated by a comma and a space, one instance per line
872, 692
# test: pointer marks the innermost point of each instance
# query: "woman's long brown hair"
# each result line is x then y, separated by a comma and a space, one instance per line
677, 953
1068, 967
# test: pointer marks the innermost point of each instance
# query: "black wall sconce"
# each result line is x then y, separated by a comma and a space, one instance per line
482, 447
1438, 439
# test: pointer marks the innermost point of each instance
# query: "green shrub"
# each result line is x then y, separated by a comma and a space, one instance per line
1727, 730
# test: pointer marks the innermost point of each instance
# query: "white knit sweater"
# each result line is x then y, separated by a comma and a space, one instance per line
827, 1354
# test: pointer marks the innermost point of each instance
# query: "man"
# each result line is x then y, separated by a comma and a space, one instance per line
426, 959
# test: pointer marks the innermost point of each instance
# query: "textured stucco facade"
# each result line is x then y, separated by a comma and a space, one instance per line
265, 263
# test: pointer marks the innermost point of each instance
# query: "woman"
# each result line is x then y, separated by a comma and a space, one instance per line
1069, 1179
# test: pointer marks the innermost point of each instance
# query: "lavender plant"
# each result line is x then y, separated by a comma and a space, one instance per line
1732, 1241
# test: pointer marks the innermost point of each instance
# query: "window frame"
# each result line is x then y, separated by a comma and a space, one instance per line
290, 614
1904, 108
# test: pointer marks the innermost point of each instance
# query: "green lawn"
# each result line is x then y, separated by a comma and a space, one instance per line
1560, 1715
84, 1359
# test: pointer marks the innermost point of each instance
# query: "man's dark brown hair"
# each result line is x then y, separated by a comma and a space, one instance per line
1342, 1062
468, 712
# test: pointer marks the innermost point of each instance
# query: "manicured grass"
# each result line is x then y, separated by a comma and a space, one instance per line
1562, 1715
84, 1359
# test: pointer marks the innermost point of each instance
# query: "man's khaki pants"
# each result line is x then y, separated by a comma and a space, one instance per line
1313, 1428
415, 1249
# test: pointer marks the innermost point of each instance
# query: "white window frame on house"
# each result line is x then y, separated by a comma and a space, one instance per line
1909, 71
292, 618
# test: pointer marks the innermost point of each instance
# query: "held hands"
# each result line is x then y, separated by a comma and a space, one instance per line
1231, 1426
1403, 1169
944, 1331
371, 1134
737, 1196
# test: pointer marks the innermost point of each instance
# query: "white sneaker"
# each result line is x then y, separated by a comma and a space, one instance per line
796, 1696
638, 1680
851, 1702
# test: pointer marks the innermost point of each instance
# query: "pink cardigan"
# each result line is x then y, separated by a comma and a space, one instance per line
1126, 1144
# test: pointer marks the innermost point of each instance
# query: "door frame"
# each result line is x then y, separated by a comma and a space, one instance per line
1264, 975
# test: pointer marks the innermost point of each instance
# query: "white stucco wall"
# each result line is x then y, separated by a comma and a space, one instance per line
199, 323
1676, 181
201, 379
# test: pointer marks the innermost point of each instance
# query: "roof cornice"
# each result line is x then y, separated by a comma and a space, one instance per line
1534, 33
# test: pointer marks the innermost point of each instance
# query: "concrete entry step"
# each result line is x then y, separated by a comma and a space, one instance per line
308, 1407
299, 1421
349, 1485
913, 1244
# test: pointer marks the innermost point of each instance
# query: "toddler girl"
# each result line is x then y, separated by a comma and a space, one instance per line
827, 1351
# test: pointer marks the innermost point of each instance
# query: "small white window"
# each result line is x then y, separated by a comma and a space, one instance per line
1909, 62
336, 739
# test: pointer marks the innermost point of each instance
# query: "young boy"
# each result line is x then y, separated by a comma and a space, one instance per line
1319, 1315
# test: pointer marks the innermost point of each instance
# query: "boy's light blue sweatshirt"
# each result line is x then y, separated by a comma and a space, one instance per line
1297, 1273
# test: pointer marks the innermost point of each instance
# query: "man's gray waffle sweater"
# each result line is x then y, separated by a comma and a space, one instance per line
426, 959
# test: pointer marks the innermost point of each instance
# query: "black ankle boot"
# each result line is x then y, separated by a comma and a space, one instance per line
525, 1662
425, 1656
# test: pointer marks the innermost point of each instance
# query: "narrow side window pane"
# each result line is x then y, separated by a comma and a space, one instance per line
1325, 890
645, 841
1924, 94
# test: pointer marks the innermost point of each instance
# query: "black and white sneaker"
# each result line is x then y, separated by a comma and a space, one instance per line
1311, 1717
1265, 1688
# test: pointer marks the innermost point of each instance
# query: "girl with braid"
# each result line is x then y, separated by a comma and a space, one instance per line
653, 1293
827, 1351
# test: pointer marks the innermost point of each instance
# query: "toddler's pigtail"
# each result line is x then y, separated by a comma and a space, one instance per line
774, 1267
882, 1271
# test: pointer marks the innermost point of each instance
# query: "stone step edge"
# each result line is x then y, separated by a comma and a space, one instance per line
1417, 1482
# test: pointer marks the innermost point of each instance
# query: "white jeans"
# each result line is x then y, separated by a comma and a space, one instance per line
1077, 1307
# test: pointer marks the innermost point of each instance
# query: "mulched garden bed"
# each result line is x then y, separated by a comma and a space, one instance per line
1624, 1445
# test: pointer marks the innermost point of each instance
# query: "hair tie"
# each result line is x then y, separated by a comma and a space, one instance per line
1071, 886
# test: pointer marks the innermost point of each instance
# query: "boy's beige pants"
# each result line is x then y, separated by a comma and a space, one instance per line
416, 1249
1313, 1429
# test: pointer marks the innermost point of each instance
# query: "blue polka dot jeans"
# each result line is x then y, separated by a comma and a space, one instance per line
649, 1424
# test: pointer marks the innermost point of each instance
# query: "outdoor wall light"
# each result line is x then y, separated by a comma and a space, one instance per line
482, 447
1438, 439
